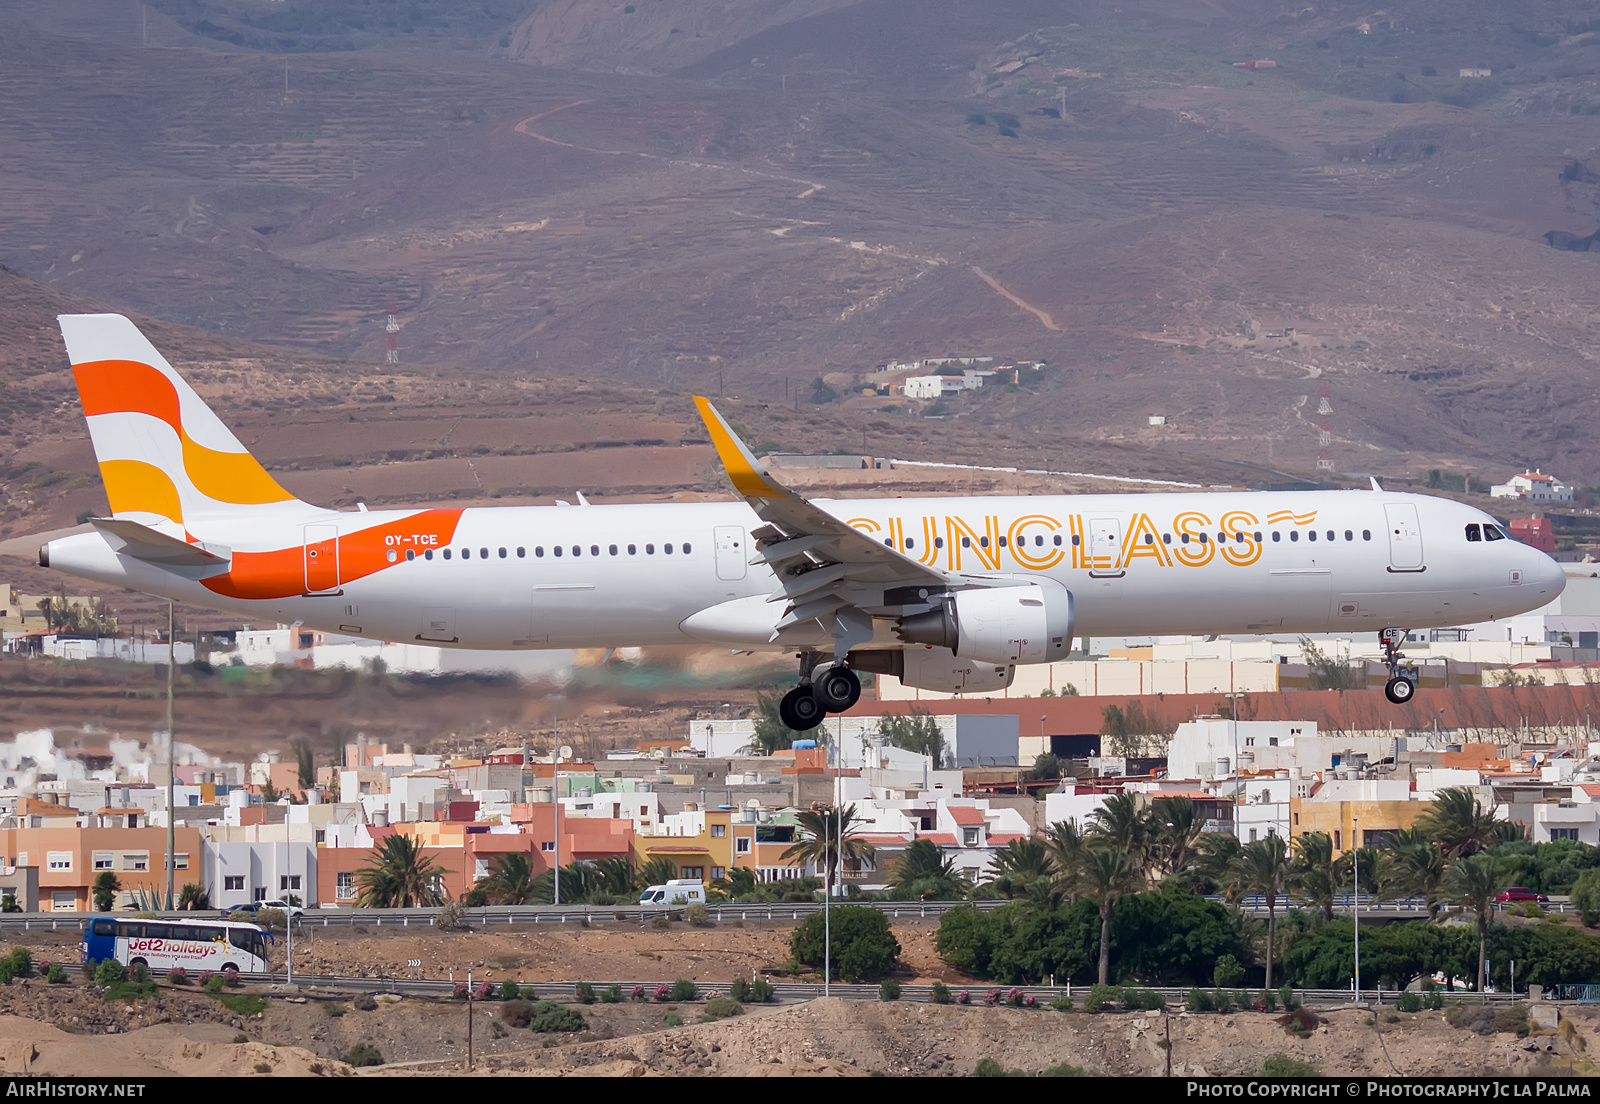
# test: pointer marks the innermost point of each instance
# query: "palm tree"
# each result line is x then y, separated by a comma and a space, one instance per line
1419, 869
658, 871
1474, 883
923, 872
510, 879
614, 875
1121, 823
1458, 823
829, 838
194, 898
399, 875
1016, 866
1066, 845
740, 882
1263, 867
1215, 854
1316, 876
1174, 829
1107, 874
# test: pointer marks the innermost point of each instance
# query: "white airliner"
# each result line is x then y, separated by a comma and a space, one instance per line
944, 593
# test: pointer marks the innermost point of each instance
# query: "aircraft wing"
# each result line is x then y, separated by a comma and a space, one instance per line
830, 571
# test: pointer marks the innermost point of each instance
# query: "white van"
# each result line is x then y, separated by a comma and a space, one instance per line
678, 892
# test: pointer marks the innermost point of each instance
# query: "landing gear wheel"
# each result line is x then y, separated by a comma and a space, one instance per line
799, 709
1399, 690
836, 689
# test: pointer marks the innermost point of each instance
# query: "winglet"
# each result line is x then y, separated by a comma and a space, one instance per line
1374, 482
749, 477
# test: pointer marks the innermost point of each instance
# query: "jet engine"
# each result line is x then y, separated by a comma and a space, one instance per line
1031, 623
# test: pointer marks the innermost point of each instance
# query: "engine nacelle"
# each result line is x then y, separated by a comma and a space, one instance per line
930, 668
1021, 624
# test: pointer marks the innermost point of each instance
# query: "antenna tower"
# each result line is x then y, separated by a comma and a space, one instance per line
391, 326
1324, 434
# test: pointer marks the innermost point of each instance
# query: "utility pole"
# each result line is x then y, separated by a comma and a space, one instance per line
1355, 853
172, 759
469, 1021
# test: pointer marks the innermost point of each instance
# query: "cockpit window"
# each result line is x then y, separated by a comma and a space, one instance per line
1492, 533
1473, 534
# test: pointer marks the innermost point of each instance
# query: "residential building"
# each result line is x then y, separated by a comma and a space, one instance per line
1534, 486
1356, 812
69, 859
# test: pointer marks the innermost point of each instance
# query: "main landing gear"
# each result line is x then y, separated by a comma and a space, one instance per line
823, 689
1402, 682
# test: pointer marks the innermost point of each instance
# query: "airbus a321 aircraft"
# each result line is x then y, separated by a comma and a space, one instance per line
943, 593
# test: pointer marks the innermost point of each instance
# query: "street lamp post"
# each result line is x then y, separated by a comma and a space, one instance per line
1355, 852
1234, 698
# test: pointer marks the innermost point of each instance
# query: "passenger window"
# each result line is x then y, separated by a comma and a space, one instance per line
613, 551
938, 542
1149, 538
502, 553
1276, 536
1182, 537
538, 551
522, 553
1349, 536
909, 544
667, 549
556, 549
411, 554
649, 550
966, 542
577, 550
1058, 540
428, 555
594, 550
447, 553
1202, 538
1002, 542
1258, 538
483, 553
685, 550
1075, 540
1473, 534
983, 542
1311, 534
1492, 533
1330, 535
1038, 542
466, 553
1294, 536
1166, 538
633, 549
1366, 534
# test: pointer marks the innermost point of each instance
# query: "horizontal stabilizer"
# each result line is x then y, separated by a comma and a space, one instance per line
129, 538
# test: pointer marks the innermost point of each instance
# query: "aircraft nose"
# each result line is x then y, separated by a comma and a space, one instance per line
1551, 576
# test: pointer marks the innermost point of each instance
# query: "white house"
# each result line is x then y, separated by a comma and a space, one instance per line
261, 862
1533, 486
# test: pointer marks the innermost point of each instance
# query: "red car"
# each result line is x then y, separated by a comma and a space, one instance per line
1517, 893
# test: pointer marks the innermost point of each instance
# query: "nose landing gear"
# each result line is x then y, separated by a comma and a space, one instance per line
1402, 682
833, 690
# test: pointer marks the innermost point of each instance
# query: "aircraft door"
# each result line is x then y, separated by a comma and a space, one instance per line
731, 552
1405, 537
321, 558
1105, 541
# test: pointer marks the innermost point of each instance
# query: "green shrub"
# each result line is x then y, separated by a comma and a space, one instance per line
889, 990
334, 1009
1222, 1000
549, 1017
941, 993
109, 973
516, 1013
509, 990
1142, 1000
1197, 1001
683, 990
1063, 1003
363, 1054
585, 993
212, 984
1281, 1065
139, 973
1228, 973
56, 975
1269, 1001
1433, 1001
1286, 998
1100, 996
722, 1008
988, 1067
739, 989
1409, 1002
21, 962
1512, 1018
1585, 895
612, 994
862, 946
672, 1019
365, 1002
698, 916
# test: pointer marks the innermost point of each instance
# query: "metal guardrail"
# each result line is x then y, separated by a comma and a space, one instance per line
493, 915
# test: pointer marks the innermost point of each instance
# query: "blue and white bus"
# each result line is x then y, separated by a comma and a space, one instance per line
162, 944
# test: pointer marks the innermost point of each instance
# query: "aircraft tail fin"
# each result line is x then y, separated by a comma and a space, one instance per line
166, 460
